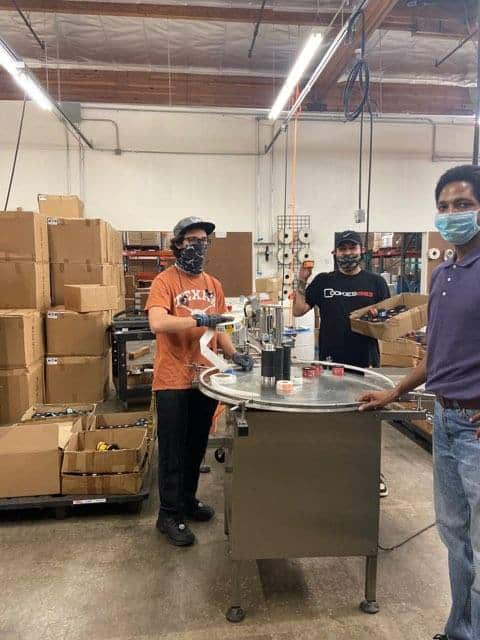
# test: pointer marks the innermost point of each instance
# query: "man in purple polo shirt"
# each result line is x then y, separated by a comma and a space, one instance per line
451, 371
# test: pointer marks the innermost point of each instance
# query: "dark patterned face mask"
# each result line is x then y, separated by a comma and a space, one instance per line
192, 258
349, 263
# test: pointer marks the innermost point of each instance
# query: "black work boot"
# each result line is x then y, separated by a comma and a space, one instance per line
199, 511
176, 531
440, 636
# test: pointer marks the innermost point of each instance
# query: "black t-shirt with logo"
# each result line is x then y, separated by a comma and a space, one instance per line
337, 296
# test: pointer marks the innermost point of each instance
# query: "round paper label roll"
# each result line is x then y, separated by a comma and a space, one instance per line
303, 255
223, 378
434, 254
288, 278
304, 236
285, 237
285, 256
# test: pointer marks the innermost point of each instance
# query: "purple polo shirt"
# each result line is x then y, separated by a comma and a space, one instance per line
453, 361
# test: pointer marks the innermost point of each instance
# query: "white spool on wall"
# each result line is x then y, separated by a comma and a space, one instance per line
434, 254
304, 236
304, 254
285, 237
288, 278
285, 256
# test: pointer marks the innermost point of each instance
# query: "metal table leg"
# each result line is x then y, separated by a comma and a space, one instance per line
370, 605
235, 613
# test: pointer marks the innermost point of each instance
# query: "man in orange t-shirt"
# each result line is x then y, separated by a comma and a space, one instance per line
183, 303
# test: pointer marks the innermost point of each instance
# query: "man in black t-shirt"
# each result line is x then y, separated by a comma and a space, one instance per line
337, 294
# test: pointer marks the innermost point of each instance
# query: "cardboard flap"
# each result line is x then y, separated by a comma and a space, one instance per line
29, 438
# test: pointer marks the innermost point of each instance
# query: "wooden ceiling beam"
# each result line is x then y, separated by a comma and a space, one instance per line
196, 90
421, 20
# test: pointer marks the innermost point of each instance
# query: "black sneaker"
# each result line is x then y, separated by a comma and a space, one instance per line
176, 531
440, 636
383, 487
199, 511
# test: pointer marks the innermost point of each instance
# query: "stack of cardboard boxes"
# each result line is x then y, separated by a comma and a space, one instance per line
24, 296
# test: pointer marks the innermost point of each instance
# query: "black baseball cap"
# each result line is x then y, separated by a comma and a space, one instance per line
193, 223
348, 236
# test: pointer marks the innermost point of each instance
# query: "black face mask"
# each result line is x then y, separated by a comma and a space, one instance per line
192, 258
349, 263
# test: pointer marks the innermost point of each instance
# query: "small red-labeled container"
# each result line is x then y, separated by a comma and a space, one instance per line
309, 372
318, 368
338, 371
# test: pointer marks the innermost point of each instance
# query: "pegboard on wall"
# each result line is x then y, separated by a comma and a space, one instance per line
293, 248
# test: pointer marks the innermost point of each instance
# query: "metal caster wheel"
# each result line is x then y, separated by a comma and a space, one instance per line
220, 455
369, 606
205, 468
235, 614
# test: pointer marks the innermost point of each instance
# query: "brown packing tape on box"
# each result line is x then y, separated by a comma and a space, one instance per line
412, 320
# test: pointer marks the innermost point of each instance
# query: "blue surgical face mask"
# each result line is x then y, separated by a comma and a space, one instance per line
458, 228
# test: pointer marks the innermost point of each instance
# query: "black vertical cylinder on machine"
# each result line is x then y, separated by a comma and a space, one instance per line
278, 363
268, 366
287, 361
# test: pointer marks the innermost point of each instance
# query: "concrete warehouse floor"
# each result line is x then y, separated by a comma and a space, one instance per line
111, 576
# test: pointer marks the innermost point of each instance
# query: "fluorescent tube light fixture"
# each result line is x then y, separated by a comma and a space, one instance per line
298, 69
20, 73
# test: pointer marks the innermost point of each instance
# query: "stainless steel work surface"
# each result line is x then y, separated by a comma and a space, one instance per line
326, 392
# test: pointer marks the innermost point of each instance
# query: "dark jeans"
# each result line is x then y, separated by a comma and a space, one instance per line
184, 420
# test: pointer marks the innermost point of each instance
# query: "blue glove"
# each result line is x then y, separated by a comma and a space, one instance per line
243, 360
210, 320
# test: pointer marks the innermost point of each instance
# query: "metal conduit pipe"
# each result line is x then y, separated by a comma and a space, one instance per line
118, 149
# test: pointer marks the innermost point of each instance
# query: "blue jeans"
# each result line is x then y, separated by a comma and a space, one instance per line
456, 472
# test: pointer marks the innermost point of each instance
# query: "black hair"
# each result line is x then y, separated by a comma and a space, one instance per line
174, 242
464, 173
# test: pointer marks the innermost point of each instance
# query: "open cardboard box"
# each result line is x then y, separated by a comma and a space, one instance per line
82, 412
81, 456
412, 320
125, 419
30, 459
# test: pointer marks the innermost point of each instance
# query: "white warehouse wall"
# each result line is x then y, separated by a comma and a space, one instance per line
178, 164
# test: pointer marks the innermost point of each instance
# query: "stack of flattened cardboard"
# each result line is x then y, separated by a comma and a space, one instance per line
60, 206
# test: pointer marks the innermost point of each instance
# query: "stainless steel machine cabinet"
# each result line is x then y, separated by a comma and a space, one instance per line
302, 470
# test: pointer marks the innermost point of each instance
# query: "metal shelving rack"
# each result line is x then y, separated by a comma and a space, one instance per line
293, 224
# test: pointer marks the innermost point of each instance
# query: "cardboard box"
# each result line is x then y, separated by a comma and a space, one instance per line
21, 338
20, 389
90, 297
66, 273
115, 246
77, 379
23, 236
141, 297
144, 238
69, 333
60, 206
30, 459
24, 285
269, 286
413, 319
80, 241
134, 238
38, 413
401, 353
130, 285
126, 420
105, 484
80, 454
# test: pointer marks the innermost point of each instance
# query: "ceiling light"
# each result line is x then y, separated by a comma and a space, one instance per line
299, 68
20, 73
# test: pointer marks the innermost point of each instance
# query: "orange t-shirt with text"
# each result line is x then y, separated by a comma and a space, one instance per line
182, 295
